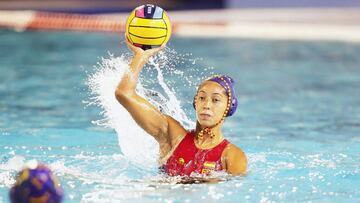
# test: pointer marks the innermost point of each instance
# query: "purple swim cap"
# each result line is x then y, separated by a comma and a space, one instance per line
36, 183
228, 84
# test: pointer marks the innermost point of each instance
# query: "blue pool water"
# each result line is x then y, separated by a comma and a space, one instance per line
298, 119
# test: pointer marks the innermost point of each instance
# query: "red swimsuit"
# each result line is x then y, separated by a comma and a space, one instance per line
187, 158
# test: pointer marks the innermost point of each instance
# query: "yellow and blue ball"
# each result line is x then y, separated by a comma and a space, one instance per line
36, 184
148, 26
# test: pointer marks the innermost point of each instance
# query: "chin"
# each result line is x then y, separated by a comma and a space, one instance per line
206, 123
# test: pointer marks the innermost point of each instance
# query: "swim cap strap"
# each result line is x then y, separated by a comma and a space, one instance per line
228, 84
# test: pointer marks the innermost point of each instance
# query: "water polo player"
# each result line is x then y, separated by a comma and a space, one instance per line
36, 184
183, 152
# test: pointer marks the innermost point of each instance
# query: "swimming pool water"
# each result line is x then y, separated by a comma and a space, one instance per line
298, 118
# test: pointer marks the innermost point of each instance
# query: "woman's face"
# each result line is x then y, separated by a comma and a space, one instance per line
210, 104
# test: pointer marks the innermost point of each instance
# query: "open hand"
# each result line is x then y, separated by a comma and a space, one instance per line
145, 54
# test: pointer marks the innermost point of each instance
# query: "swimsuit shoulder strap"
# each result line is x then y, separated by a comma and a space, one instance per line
220, 147
187, 141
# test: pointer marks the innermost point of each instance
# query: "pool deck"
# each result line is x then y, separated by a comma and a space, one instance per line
331, 24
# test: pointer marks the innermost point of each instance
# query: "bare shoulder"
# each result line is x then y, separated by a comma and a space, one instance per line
234, 160
233, 150
175, 130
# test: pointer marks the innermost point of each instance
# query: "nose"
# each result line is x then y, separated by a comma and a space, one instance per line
207, 104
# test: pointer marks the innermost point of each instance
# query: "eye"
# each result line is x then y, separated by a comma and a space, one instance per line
216, 100
201, 98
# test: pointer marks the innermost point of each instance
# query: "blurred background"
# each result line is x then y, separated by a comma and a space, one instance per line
266, 19
296, 64
93, 6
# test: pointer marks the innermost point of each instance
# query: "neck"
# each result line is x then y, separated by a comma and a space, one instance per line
209, 138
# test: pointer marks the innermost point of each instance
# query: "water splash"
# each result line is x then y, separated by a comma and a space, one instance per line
134, 142
8, 169
136, 145
172, 105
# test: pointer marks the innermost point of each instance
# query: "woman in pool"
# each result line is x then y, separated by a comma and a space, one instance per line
183, 152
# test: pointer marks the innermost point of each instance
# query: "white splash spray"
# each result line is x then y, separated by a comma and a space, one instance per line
173, 107
137, 146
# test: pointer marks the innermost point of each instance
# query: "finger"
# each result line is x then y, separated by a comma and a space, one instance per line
163, 46
155, 50
131, 46
127, 41
126, 38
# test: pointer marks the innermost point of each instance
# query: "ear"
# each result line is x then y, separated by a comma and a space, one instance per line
233, 106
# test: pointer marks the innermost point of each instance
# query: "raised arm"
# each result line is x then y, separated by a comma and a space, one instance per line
143, 112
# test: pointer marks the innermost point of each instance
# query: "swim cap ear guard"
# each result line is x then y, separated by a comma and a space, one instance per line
228, 84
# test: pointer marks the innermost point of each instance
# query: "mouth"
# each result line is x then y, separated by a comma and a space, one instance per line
205, 116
